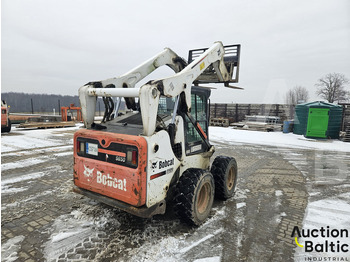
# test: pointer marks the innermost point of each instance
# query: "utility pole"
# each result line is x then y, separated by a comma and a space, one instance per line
31, 101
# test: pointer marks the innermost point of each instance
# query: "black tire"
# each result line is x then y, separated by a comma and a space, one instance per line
224, 170
7, 128
194, 196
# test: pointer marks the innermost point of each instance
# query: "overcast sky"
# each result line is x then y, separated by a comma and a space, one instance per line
56, 46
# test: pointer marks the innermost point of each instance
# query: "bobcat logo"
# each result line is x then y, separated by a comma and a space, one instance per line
154, 165
88, 173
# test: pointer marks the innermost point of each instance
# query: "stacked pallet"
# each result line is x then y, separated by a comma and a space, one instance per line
47, 124
347, 133
219, 121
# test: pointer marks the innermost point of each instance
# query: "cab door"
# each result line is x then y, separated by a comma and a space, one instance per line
194, 142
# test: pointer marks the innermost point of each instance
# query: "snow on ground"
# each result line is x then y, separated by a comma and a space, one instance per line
72, 229
20, 139
171, 249
209, 259
8, 186
278, 139
187, 248
5, 183
23, 163
38, 151
9, 250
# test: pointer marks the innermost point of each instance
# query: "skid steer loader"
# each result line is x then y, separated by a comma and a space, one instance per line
159, 152
5, 120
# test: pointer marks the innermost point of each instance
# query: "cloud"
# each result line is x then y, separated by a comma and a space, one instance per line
56, 46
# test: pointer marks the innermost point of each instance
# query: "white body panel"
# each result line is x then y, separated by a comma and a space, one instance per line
157, 188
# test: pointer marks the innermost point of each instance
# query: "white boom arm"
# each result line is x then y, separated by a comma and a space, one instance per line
125, 84
149, 93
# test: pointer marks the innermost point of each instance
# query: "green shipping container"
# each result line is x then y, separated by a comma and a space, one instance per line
318, 119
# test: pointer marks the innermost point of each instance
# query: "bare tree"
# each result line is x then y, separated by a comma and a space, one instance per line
290, 97
296, 95
301, 94
331, 87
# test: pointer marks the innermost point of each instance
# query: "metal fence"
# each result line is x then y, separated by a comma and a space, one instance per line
237, 112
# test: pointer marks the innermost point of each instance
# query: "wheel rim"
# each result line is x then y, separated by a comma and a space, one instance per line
203, 198
230, 178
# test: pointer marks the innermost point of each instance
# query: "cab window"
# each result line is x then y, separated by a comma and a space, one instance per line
194, 142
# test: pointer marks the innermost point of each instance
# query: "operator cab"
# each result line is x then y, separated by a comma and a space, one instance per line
194, 143
131, 123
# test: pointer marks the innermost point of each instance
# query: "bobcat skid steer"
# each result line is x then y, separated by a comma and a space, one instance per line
5, 120
159, 152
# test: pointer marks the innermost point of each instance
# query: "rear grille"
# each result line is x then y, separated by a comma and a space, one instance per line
177, 149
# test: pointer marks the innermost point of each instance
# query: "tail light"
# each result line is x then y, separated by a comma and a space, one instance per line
134, 158
80, 147
131, 157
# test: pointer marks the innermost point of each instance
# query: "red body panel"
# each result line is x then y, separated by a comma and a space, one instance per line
4, 116
119, 182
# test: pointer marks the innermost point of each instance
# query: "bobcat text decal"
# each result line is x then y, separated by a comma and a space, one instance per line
105, 179
166, 163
